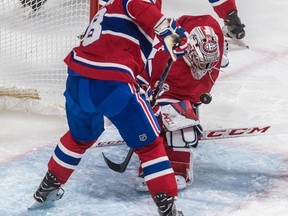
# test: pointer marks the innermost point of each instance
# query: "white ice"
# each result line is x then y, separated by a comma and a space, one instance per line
233, 177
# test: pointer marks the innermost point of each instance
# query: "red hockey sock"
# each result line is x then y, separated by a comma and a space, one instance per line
66, 157
158, 173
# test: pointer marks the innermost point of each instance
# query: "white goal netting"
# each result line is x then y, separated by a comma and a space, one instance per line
35, 37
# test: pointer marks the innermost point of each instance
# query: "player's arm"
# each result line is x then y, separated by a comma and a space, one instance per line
148, 15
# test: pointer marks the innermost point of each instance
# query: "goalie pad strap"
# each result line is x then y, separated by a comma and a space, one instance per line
182, 138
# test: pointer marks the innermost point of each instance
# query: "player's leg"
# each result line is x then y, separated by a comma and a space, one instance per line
85, 126
182, 160
180, 134
140, 130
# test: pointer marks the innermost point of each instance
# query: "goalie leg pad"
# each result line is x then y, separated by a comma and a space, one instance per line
140, 184
182, 160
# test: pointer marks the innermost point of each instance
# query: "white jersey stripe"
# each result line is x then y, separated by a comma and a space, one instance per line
157, 160
63, 164
102, 64
146, 110
68, 152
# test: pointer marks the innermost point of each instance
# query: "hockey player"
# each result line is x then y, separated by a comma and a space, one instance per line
227, 10
101, 82
188, 79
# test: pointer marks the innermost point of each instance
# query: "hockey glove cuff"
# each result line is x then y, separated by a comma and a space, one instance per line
173, 36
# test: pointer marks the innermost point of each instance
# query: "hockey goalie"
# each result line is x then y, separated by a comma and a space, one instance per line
186, 87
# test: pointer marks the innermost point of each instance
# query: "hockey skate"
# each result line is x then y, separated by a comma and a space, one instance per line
166, 205
233, 30
48, 191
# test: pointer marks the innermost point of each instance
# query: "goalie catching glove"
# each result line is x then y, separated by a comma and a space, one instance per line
173, 36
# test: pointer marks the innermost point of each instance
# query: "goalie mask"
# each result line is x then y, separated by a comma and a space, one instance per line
203, 51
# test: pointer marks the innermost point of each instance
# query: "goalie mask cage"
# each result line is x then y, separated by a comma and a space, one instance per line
35, 37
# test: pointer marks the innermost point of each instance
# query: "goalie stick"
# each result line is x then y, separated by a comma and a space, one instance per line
206, 135
236, 42
216, 134
224, 133
121, 167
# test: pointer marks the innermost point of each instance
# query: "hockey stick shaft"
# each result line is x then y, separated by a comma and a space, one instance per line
244, 132
121, 167
160, 85
225, 133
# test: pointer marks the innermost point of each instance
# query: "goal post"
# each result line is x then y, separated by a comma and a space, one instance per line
35, 37
94, 7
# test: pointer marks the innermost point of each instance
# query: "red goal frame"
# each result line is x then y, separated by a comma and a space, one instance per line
94, 7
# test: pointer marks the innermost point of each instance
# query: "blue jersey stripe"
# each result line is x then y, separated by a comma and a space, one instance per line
66, 158
216, 2
157, 167
124, 3
98, 67
213, 1
115, 24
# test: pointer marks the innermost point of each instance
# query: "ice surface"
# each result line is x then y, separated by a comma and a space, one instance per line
233, 177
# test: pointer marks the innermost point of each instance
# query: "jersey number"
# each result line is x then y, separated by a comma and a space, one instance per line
93, 31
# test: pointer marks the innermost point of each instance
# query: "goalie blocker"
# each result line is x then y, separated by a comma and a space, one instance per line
181, 133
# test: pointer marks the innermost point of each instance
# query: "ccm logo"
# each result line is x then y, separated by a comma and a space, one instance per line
236, 132
107, 143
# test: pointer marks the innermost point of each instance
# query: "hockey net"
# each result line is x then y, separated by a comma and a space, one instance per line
35, 37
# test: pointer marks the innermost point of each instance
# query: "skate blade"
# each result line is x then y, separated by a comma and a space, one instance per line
50, 200
37, 205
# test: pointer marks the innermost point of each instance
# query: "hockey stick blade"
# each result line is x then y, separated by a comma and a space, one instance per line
121, 167
237, 43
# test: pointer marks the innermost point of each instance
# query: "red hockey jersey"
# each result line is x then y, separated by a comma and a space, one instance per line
118, 41
222, 7
182, 85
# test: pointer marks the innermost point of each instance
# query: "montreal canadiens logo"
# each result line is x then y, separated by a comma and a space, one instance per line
210, 47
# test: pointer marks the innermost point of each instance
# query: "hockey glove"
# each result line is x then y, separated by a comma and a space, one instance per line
233, 26
174, 38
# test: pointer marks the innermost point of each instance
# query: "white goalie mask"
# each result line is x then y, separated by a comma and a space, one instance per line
203, 51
